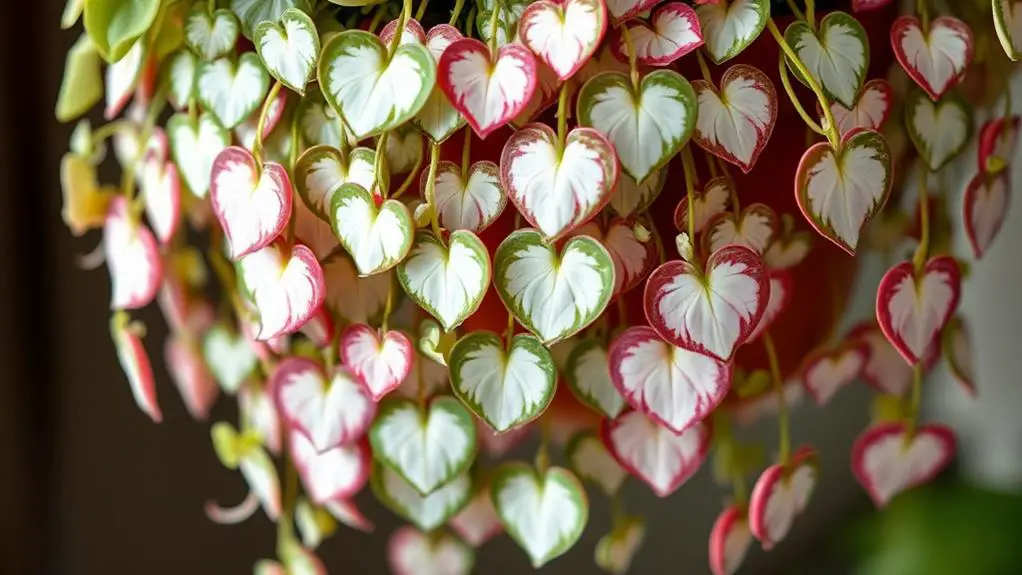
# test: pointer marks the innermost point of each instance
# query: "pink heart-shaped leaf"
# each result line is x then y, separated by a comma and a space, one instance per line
789, 248
414, 32
912, 308
328, 411
348, 513
336, 473
675, 387
985, 204
380, 366
478, 521
754, 229
998, 140
257, 407
736, 122
555, 189
711, 312
191, 376
713, 200
412, 552
957, 351
564, 34
633, 259
885, 370
252, 203
320, 328
161, 189
653, 453
872, 108
488, 93
840, 189
287, 287
826, 371
887, 461
621, 10
730, 540
136, 270
780, 495
548, 88
672, 31
134, 362
937, 58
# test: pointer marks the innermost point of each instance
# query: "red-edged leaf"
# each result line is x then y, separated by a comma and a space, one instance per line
736, 122
780, 495
957, 351
564, 34
871, 110
672, 31
826, 371
653, 453
191, 376
887, 462
912, 308
133, 257
936, 58
287, 288
253, 203
380, 366
336, 473
985, 205
730, 540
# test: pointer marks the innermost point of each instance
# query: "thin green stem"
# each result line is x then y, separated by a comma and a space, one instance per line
922, 251
406, 13
832, 134
690, 191
107, 130
703, 67
509, 332
466, 152
711, 164
430, 191
782, 70
422, 10
388, 307
916, 399
811, 14
562, 115
458, 5
494, 22
377, 17
257, 147
924, 15
542, 454
782, 404
410, 178
285, 523
793, 6
633, 68
211, 6
379, 162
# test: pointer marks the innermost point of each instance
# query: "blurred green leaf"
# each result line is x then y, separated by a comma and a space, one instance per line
114, 25
82, 86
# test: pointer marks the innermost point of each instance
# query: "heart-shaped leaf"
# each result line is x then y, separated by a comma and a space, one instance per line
232, 90
782, 288
615, 550
161, 190
553, 295
354, 299
939, 131
647, 124
404, 150
836, 54
242, 451
789, 248
558, 188
427, 447
322, 170
255, 405
998, 140
438, 119
985, 203
780, 495
412, 552
211, 36
190, 375
380, 366
548, 88
448, 281
713, 312
114, 25
545, 513
590, 460
754, 229
252, 12
477, 522
633, 258
588, 376
871, 110
252, 202
887, 459
885, 370
956, 348
345, 511
287, 287
913, 306
935, 58
194, 146
134, 360
330, 409
840, 189
675, 387
82, 85
468, 203
413, 32
713, 200
622, 10
826, 371
508, 14
122, 77
427, 512
730, 540
289, 48
319, 123
229, 356
654, 453
564, 34
1008, 24
736, 122
378, 237
729, 27
133, 257
629, 197
487, 91
506, 388
337, 473
672, 31
375, 92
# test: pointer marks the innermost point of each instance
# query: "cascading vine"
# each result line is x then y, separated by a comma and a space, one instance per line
372, 335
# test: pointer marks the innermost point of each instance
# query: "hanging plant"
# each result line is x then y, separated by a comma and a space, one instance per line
436, 229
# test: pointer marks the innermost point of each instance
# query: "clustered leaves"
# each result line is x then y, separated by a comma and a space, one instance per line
290, 137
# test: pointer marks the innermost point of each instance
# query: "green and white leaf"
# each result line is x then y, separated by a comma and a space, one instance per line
553, 295
82, 86
123, 76
591, 461
449, 281
647, 128
730, 27
377, 238
211, 36
229, 356
615, 550
320, 124
1008, 24
252, 12
544, 514
504, 388
114, 25
426, 448
941, 130
181, 71
427, 512
588, 376
194, 145
232, 89
289, 49
375, 94
404, 150
631, 198
836, 54
322, 170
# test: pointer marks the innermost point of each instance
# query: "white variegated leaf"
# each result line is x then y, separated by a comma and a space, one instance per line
379, 364
887, 459
729, 27
936, 58
211, 36
471, 203
132, 256
229, 356
913, 306
836, 54
287, 287
615, 550
377, 237
412, 552
122, 77
232, 89
252, 202
653, 453
736, 122
337, 473
588, 375
564, 34
194, 146
591, 461
939, 131
448, 281
427, 512
780, 495
289, 48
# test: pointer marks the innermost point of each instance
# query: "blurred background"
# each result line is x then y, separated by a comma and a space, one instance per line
88, 485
